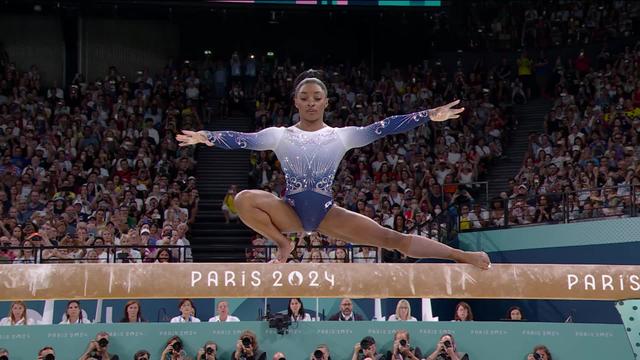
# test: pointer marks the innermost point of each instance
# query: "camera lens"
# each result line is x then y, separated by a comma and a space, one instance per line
103, 342
177, 346
209, 351
403, 342
4, 357
50, 357
537, 356
318, 354
447, 343
246, 341
282, 359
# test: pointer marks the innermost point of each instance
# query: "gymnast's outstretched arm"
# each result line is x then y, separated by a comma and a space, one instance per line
354, 136
266, 139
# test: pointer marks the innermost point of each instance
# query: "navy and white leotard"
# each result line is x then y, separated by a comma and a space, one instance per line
310, 159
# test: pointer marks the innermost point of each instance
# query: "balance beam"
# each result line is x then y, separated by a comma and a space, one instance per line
257, 280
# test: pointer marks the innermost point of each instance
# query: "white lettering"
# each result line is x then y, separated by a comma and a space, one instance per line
635, 285
212, 277
195, 277
621, 282
573, 280
330, 278
243, 278
607, 281
277, 276
313, 276
589, 281
255, 276
229, 278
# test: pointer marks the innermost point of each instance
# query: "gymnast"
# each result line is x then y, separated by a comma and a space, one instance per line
310, 152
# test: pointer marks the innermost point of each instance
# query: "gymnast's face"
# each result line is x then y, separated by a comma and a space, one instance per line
311, 102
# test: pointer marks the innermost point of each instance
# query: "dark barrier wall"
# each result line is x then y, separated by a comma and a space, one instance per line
33, 39
127, 44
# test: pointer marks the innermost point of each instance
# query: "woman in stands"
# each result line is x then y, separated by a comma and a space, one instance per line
74, 314
17, 315
310, 153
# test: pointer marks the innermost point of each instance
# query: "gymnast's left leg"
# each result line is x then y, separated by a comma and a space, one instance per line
359, 229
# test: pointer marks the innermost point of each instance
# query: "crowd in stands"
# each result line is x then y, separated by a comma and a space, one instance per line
91, 172
546, 24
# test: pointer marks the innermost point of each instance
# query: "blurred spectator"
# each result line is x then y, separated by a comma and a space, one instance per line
366, 349
74, 314
403, 312
187, 312
515, 314
279, 356
4, 354
17, 315
228, 207
346, 312
321, 353
222, 310
296, 312
142, 355
463, 312
132, 312
99, 348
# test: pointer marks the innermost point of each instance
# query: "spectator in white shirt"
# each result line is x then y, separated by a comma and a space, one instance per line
74, 314
187, 312
223, 313
403, 312
17, 315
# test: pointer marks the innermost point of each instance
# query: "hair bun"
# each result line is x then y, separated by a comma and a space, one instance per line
311, 73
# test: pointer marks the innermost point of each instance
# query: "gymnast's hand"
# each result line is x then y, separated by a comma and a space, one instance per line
192, 138
445, 112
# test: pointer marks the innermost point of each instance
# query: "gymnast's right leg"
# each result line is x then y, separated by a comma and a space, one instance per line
270, 217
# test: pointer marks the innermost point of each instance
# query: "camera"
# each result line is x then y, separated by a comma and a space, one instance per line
537, 356
4, 357
50, 357
318, 354
280, 322
209, 351
177, 346
447, 344
365, 344
403, 342
103, 342
246, 341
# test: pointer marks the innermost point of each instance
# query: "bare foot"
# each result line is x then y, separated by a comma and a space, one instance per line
478, 259
284, 252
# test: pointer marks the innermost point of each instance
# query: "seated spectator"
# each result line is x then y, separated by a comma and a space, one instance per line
99, 348
164, 256
515, 314
17, 315
132, 312
228, 205
403, 312
540, 352
447, 349
247, 347
463, 312
74, 314
222, 310
296, 312
187, 312
174, 350
402, 347
346, 312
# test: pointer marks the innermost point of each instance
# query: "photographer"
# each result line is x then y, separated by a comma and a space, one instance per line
540, 352
447, 350
279, 356
99, 348
247, 348
366, 349
174, 349
208, 351
142, 355
402, 347
47, 353
4, 354
321, 353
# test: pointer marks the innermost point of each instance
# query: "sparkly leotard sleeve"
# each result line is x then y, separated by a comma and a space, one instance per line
310, 159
